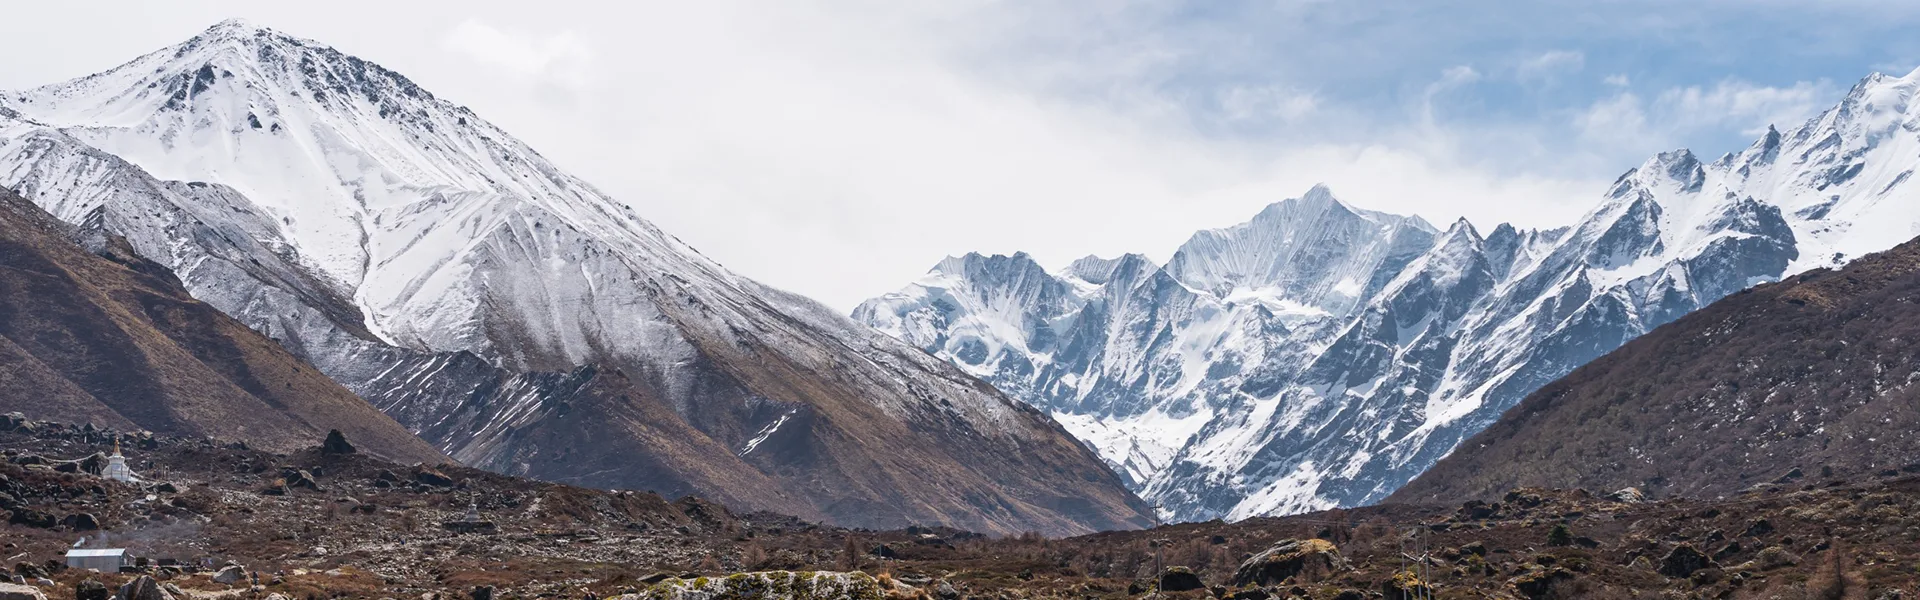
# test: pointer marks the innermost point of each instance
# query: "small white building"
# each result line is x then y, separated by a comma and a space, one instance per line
117, 468
104, 560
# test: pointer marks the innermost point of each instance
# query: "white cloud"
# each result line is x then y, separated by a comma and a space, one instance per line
1245, 103
1748, 106
1625, 120
839, 148
1617, 120
1451, 78
562, 58
1552, 64
1617, 80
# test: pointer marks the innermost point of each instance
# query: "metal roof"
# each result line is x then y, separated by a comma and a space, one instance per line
96, 552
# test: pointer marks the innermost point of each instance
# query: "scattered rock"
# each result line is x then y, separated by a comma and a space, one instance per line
883, 551
1290, 558
484, 592
1758, 528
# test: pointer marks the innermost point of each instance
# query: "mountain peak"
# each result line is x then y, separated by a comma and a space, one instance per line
1098, 271
233, 28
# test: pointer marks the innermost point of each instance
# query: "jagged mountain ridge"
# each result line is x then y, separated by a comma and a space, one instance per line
98, 334
1807, 378
1225, 384
514, 315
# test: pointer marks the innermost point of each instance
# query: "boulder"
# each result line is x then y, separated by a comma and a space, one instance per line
29, 570
1405, 586
1683, 560
433, 478
1630, 495
91, 590
299, 478
143, 588
80, 522
230, 574
1538, 584
95, 464
484, 592
336, 444
14, 591
1180, 579
1289, 558
33, 518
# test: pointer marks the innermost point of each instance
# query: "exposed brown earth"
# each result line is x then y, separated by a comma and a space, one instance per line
1807, 379
324, 526
110, 338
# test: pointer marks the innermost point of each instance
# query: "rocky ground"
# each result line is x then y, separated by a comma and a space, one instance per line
335, 524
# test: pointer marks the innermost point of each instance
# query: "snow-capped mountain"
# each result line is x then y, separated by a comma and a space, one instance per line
1321, 355
512, 314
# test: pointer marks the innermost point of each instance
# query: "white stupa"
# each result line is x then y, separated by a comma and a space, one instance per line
117, 468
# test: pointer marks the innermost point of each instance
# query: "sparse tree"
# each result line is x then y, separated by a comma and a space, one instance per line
1560, 535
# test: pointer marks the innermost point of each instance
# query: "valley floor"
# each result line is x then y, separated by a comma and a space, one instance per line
315, 525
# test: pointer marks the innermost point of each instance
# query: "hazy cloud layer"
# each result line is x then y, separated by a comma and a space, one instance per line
839, 149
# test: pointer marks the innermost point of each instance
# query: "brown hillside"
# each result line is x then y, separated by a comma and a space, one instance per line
112, 339
1812, 377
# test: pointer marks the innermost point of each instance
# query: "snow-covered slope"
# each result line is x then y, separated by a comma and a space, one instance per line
511, 313
1321, 355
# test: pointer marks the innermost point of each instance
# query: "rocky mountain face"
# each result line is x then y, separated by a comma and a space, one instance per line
100, 335
514, 316
1808, 378
1321, 355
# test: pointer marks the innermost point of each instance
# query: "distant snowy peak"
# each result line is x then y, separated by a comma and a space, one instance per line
398, 197
1321, 355
1313, 251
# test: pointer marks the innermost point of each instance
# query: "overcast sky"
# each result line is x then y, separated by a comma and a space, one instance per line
840, 149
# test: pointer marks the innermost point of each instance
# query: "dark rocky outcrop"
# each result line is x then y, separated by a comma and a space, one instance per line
336, 444
1288, 559
1180, 579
